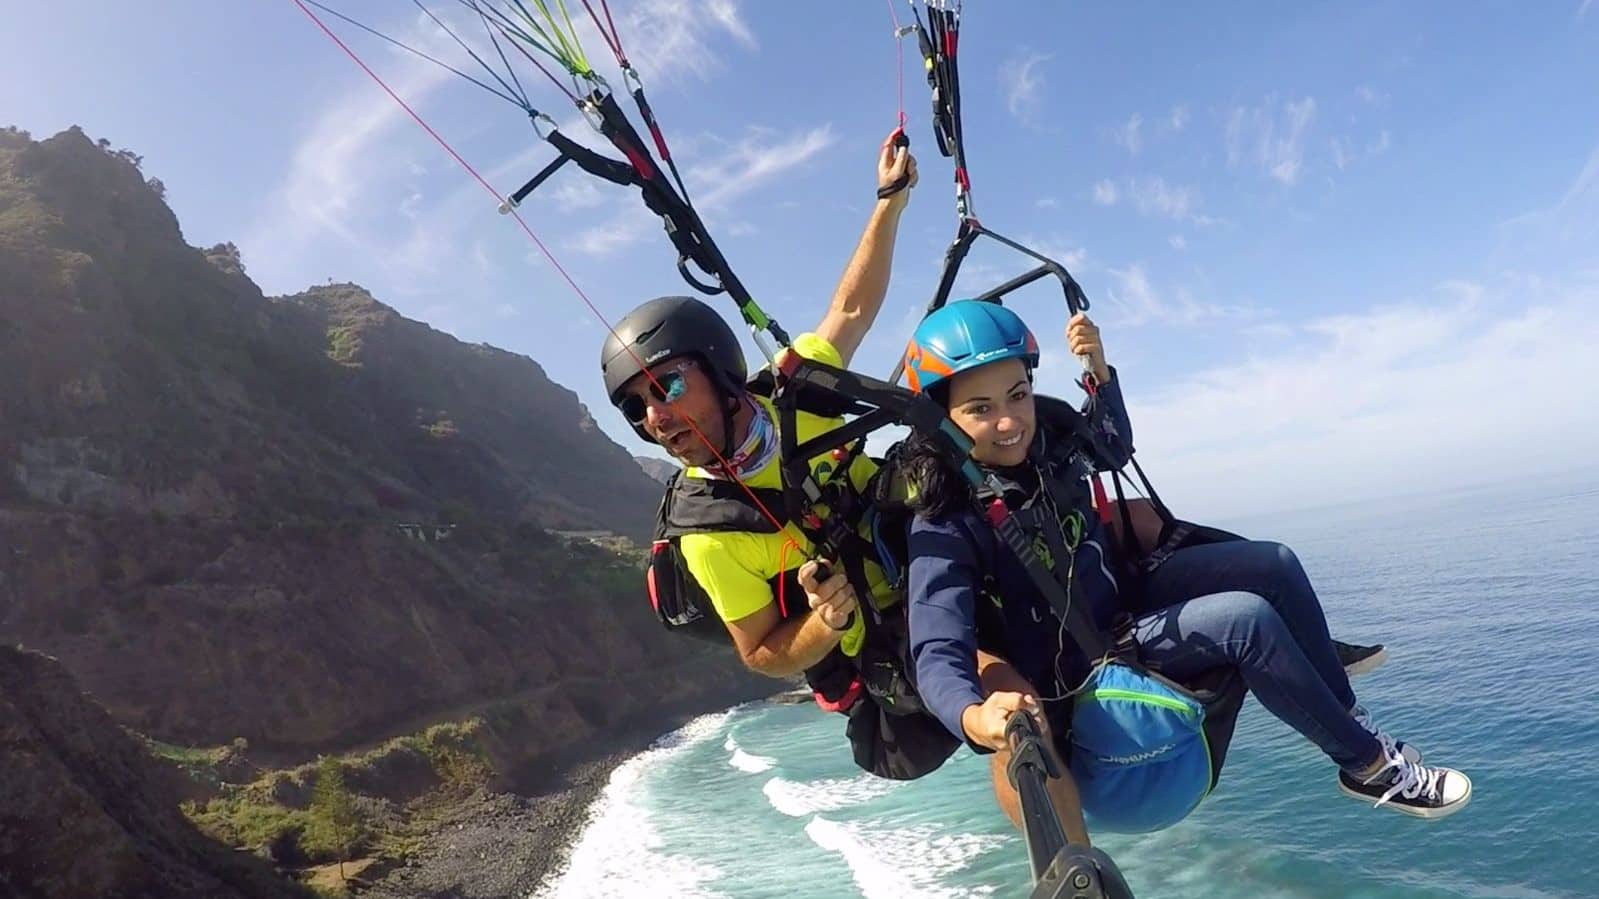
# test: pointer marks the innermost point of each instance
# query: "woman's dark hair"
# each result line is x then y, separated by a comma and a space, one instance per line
940, 490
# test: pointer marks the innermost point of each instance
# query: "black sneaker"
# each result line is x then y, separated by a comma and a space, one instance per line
1358, 660
1411, 788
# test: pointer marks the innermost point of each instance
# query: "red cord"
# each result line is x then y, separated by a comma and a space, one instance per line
615, 43
899, 70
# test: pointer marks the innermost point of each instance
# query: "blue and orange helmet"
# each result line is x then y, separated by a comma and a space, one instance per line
962, 335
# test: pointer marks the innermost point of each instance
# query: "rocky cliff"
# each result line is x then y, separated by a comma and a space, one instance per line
304, 520
85, 810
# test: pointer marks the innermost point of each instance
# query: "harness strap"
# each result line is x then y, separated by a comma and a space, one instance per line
1133, 546
1075, 615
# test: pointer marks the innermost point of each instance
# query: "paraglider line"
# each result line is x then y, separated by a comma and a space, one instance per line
550, 257
521, 104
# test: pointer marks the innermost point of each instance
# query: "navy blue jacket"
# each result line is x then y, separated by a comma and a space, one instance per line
959, 562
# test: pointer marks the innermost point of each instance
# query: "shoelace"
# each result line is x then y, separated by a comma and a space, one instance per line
1369, 724
1411, 781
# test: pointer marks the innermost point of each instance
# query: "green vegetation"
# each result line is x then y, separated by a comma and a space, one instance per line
344, 344
187, 755
314, 815
251, 822
335, 827
453, 752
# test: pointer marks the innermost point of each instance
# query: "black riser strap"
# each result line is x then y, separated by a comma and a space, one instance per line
1075, 615
536, 180
611, 170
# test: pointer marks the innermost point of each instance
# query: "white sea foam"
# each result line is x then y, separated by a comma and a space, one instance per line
744, 761
888, 863
619, 852
800, 798
751, 764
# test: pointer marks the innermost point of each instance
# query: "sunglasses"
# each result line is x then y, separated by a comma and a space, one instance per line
667, 386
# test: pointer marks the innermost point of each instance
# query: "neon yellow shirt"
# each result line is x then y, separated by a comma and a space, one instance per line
737, 568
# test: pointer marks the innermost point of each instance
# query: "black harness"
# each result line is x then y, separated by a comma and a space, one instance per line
890, 732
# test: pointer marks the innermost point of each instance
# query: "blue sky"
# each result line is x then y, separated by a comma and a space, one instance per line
1336, 249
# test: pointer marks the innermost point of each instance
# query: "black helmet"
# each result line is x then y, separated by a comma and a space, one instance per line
671, 326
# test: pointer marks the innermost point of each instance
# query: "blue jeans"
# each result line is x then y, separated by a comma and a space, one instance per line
1250, 605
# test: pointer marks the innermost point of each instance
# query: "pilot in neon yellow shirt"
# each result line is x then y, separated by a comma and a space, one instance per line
738, 569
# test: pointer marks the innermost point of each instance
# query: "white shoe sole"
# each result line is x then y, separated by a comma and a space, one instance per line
1367, 665
1442, 811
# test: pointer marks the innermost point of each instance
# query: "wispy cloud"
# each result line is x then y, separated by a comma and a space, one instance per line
1046, 202
631, 224
573, 194
1178, 242
1023, 78
1391, 399
1583, 9
725, 14
1134, 297
977, 277
448, 210
669, 39
338, 186
757, 158
1135, 134
1129, 134
1057, 247
743, 167
480, 258
1346, 151
411, 204
1371, 96
1138, 302
1561, 236
1271, 136
1153, 196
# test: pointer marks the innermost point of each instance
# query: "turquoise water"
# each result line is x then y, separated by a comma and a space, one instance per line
1489, 602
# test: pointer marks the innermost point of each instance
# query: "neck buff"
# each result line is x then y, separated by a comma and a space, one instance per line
757, 451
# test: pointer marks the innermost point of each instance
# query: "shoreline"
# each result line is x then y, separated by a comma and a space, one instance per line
518, 842
503, 844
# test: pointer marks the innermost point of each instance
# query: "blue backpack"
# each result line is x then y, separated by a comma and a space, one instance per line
1145, 750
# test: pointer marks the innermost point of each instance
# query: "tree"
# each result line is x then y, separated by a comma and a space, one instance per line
130, 157
336, 826
226, 257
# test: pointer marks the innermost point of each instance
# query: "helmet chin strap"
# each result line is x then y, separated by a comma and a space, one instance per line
730, 405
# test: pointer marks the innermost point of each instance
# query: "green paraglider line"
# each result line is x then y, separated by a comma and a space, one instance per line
572, 56
516, 37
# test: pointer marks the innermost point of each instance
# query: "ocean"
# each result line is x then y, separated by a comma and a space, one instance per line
1488, 601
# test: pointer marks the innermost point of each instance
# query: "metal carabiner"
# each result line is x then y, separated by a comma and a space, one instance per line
591, 114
